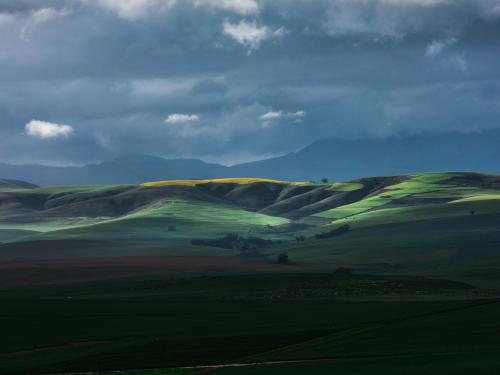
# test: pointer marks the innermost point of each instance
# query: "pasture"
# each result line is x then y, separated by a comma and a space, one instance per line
162, 322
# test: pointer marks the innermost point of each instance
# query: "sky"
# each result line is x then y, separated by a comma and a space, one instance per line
231, 81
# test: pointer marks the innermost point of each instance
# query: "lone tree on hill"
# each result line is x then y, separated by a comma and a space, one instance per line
324, 180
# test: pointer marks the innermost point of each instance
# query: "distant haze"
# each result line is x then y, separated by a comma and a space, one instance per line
333, 159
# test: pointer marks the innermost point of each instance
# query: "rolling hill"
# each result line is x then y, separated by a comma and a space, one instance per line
395, 273
445, 224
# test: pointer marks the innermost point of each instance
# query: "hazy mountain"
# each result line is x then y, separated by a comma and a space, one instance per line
123, 170
345, 159
15, 184
333, 159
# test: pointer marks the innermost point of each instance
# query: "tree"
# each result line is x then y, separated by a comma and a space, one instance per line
283, 258
343, 271
324, 180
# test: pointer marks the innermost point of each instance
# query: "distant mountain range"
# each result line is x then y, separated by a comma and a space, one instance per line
15, 184
333, 159
123, 170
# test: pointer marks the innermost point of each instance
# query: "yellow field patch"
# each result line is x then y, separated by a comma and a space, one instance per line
241, 181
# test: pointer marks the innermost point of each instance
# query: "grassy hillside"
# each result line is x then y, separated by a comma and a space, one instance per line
385, 275
439, 224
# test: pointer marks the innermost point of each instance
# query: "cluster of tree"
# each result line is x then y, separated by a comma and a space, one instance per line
234, 241
343, 271
334, 232
323, 181
283, 258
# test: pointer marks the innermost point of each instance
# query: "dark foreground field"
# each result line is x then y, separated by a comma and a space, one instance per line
301, 323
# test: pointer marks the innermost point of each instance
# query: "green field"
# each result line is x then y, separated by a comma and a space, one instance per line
384, 275
172, 323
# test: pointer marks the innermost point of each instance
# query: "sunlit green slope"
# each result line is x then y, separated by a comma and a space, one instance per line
436, 223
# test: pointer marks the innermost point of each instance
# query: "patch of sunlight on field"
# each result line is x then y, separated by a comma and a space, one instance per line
422, 183
418, 213
52, 225
192, 219
390, 215
7, 235
346, 186
353, 208
206, 212
241, 181
477, 198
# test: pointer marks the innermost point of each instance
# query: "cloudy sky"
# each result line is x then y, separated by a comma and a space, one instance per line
237, 80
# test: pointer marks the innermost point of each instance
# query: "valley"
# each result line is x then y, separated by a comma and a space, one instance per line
251, 276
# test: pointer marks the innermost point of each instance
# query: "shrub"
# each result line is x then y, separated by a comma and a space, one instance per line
343, 271
234, 241
334, 232
283, 258
226, 242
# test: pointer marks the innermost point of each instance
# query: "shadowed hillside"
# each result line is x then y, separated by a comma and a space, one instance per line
15, 184
433, 224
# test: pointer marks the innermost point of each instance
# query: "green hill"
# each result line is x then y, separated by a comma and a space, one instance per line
385, 275
438, 224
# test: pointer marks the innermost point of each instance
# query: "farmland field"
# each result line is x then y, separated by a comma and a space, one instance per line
397, 274
178, 322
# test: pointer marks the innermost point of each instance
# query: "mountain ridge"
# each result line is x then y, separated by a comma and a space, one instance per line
334, 159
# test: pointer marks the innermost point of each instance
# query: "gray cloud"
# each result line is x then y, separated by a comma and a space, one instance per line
436, 47
116, 70
250, 34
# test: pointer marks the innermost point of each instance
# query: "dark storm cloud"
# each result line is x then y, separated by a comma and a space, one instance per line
115, 70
